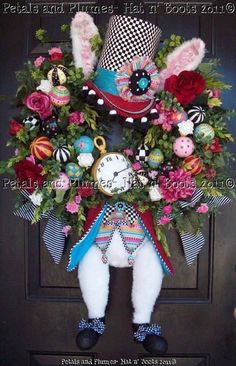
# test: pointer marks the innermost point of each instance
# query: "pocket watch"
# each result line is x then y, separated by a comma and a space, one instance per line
112, 172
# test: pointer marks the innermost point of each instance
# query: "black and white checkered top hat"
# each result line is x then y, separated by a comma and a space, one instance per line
128, 37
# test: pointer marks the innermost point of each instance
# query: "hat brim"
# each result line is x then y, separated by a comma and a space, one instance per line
122, 107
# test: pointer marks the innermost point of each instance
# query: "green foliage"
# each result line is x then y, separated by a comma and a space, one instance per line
96, 43
41, 35
168, 46
208, 70
65, 28
170, 101
90, 116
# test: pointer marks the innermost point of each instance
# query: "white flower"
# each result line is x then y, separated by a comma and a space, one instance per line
155, 193
85, 160
36, 198
45, 86
186, 127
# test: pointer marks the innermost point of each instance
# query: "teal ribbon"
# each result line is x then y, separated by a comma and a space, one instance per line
105, 81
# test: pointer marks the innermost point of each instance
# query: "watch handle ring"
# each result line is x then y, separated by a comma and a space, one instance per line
100, 144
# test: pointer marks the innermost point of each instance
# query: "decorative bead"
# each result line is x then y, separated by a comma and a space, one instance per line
50, 127
60, 96
84, 145
183, 146
41, 148
155, 158
61, 154
142, 154
196, 114
74, 171
204, 132
57, 75
32, 122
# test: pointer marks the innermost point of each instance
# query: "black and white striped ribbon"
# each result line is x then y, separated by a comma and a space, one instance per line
53, 237
216, 201
197, 195
192, 245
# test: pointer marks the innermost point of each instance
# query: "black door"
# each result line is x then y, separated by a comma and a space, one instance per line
41, 302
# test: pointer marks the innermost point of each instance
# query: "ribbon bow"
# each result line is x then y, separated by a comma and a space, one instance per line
53, 236
96, 324
145, 330
193, 243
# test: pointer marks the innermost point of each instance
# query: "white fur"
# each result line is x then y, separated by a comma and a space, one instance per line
94, 279
82, 30
147, 281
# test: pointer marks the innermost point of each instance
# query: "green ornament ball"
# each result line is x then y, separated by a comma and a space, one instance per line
155, 158
74, 171
204, 132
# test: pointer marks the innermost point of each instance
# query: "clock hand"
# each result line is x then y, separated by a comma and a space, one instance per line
117, 173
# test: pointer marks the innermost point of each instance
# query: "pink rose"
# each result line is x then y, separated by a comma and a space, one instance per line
167, 209
203, 208
76, 118
136, 166
164, 220
39, 103
38, 62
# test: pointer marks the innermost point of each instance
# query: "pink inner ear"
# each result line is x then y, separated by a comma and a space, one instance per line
185, 57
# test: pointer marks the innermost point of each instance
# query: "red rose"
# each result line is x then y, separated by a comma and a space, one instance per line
56, 56
186, 86
29, 175
85, 191
215, 147
39, 103
14, 127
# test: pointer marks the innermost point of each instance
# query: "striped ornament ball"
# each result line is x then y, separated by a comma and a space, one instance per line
193, 164
60, 96
61, 154
196, 114
41, 148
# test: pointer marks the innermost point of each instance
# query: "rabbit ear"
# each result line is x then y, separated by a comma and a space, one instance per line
185, 57
82, 30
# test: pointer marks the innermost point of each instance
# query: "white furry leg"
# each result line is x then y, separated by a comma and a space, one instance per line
147, 281
94, 278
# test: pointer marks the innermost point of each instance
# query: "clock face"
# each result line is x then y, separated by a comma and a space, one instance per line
114, 174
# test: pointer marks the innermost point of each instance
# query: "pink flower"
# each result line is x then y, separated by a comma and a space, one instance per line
164, 220
203, 208
177, 185
136, 166
76, 118
167, 209
128, 152
153, 174
38, 62
66, 230
165, 117
54, 50
216, 93
72, 207
78, 199
39, 103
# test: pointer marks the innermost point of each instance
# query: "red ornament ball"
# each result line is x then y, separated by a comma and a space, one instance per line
41, 148
193, 164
